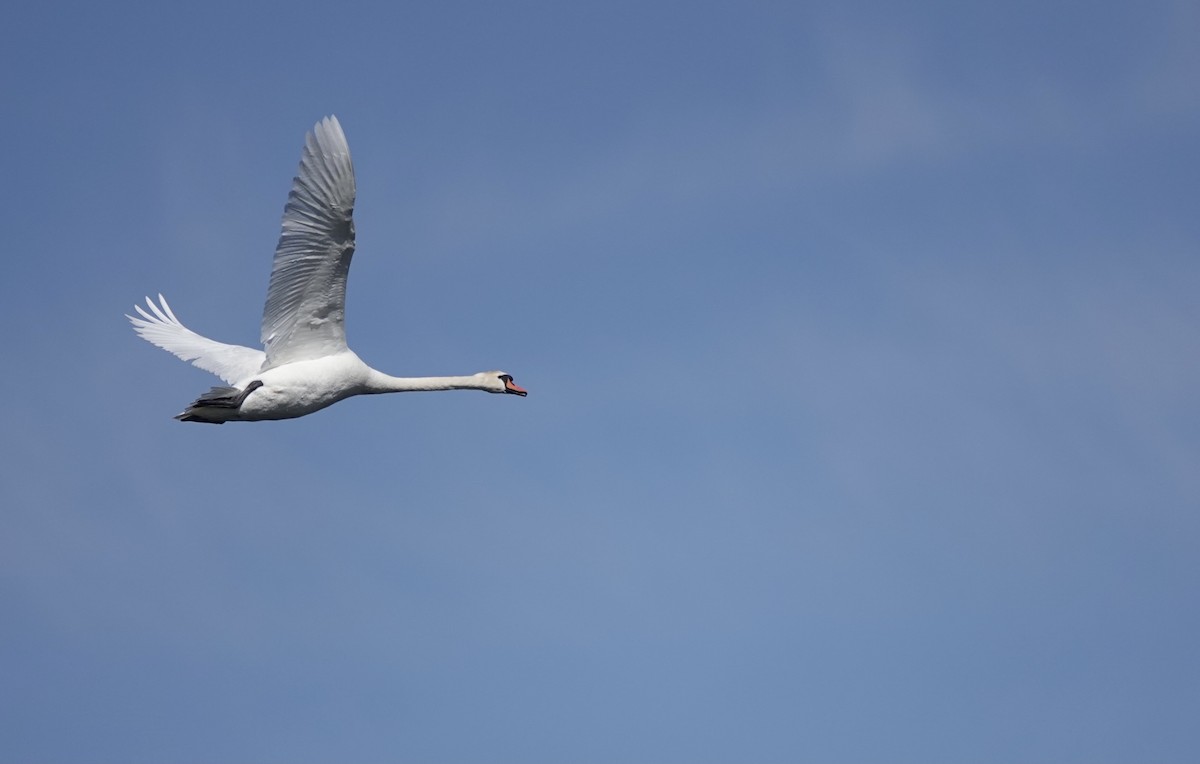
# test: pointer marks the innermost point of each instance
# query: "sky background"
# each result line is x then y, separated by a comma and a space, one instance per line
861, 342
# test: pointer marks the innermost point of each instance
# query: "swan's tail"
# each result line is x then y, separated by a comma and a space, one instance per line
218, 405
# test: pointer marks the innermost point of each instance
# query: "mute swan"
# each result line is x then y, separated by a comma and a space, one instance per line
305, 365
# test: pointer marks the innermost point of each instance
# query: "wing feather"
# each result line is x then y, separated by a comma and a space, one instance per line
304, 316
159, 326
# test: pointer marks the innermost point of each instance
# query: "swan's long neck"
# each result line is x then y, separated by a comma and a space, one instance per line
378, 382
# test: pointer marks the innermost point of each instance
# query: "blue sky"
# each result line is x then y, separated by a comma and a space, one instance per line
861, 348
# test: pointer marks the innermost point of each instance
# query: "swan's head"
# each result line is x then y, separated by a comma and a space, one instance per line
500, 382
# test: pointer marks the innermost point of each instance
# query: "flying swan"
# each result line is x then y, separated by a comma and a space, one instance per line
305, 364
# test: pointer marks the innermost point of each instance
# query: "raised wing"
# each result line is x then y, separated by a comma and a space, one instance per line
306, 302
232, 363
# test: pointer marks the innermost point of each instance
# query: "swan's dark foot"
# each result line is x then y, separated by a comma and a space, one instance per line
218, 401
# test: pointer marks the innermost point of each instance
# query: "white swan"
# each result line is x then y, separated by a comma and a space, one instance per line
305, 365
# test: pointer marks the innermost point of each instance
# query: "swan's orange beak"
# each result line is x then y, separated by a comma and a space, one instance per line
511, 387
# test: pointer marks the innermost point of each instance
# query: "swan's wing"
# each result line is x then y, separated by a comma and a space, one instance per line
306, 302
232, 363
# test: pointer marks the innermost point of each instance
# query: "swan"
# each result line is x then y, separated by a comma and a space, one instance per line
304, 365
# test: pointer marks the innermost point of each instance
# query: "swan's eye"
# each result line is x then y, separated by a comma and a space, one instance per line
506, 378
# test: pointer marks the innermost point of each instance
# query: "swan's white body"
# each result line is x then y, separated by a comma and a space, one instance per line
305, 364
